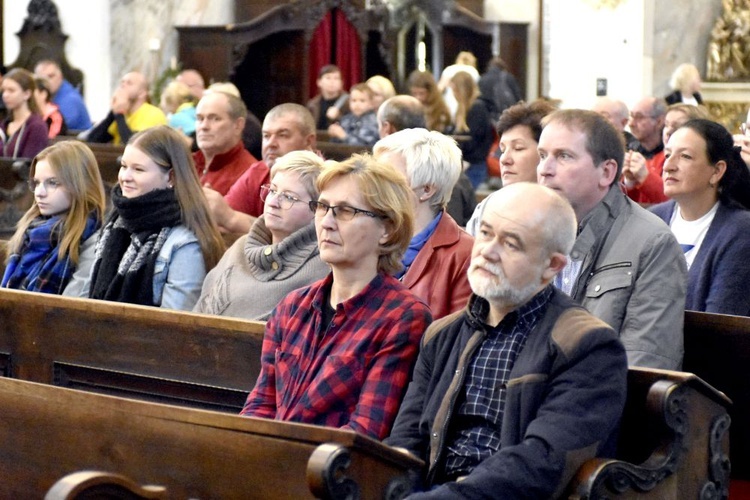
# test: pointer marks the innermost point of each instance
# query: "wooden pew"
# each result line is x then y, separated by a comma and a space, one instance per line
49, 432
339, 151
717, 349
15, 197
86, 485
107, 156
134, 351
674, 442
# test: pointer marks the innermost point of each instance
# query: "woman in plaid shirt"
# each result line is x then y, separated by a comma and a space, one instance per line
339, 352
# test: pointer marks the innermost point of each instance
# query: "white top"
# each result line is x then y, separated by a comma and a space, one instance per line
688, 99
690, 233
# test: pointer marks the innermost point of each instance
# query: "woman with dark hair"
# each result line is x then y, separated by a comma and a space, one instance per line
709, 187
23, 134
160, 239
519, 129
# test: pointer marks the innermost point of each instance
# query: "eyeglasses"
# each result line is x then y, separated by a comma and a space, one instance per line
50, 185
286, 201
639, 116
341, 212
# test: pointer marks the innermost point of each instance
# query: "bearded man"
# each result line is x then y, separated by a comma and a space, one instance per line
513, 394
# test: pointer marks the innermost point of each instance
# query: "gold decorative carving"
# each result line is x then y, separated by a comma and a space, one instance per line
729, 48
729, 114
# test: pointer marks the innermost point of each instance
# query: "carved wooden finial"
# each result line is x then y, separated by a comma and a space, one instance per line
42, 16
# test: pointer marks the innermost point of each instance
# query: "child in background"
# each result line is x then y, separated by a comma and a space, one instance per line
178, 104
332, 102
49, 110
360, 126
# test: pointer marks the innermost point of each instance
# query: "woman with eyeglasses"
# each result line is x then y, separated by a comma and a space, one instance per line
339, 352
278, 255
52, 249
160, 239
709, 187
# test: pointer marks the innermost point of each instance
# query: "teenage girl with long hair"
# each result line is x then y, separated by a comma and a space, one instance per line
160, 240
53, 248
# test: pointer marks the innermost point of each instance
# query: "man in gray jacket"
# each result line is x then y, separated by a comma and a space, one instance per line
626, 266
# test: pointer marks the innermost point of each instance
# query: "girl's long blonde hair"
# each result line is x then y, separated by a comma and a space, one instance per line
466, 92
76, 168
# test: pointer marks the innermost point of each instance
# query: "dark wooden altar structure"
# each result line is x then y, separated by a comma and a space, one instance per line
41, 37
267, 57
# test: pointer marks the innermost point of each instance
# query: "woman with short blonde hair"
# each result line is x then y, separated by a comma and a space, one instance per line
342, 348
278, 255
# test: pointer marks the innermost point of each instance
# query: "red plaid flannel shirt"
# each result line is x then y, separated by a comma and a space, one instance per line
352, 373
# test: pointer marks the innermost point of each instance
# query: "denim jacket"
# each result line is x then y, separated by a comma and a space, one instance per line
178, 273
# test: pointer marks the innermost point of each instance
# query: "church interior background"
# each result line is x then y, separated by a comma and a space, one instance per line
632, 45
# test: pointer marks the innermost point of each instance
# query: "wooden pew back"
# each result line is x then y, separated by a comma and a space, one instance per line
339, 151
135, 351
107, 156
717, 349
52, 432
15, 197
674, 442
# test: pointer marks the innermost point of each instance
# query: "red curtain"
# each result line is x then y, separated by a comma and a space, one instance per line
320, 51
347, 53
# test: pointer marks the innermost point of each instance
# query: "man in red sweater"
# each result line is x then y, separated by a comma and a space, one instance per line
287, 127
221, 157
644, 162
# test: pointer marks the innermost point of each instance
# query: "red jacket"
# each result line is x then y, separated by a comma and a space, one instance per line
439, 273
652, 189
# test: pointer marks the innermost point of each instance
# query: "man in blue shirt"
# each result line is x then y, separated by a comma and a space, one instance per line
64, 95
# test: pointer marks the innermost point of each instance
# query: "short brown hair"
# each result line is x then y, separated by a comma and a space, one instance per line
603, 141
386, 192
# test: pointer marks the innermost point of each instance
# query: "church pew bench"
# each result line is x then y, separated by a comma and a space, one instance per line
88, 485
15, 197
134, 351
717, 349
339, 151
107, 156
192, 453
674, 442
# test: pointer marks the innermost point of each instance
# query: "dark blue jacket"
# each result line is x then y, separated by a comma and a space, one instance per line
564, 401
719, 278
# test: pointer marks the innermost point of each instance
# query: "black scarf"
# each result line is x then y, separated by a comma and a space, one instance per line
130, 242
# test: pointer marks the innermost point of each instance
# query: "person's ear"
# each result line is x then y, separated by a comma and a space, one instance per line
555, 264
609, 172
720, 169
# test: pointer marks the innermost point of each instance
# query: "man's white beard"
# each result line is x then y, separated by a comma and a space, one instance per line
496, 289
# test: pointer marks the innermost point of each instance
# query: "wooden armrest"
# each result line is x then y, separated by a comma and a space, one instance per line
97, 484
